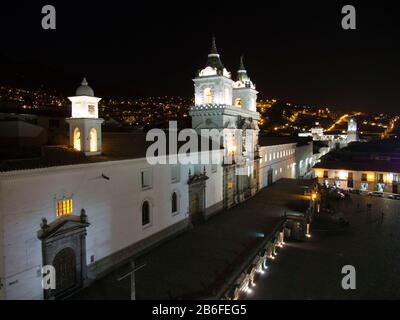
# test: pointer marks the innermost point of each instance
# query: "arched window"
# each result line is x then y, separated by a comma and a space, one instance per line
174, 202
145, 213
77, 139
208, 96
238, 102
93, 140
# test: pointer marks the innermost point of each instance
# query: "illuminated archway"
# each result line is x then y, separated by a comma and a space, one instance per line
238, 102
93, 140
77, 139
208, 96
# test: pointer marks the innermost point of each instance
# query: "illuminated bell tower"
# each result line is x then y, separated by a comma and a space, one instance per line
229, 107
352, 133
244, 91
84, 124
213, 101
244, 96
213, 85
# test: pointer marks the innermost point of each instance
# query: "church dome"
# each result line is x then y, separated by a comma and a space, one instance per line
84, 89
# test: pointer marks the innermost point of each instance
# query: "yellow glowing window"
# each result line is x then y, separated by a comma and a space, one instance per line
208, 96
64, 207
230, 184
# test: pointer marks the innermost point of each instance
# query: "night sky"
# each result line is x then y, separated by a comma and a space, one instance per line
294, 52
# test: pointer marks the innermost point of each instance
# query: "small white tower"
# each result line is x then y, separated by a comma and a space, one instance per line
244, 91
84, 124
352, 133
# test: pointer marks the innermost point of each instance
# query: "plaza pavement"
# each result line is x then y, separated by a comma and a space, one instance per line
312, 269
196, 263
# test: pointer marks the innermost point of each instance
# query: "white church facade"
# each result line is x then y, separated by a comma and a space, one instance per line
84, 211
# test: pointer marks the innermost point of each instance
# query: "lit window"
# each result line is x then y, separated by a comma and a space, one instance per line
77, 139
208, 96
64, 207
230, 184
238, 102
93, 140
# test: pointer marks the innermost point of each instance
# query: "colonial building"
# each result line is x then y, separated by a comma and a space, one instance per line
88, 207
334, 139
372, 166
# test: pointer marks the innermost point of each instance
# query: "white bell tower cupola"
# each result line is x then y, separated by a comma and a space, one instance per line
213, 84
244, 91
84, 124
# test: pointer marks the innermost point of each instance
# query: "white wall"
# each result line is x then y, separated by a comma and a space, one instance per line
305, 160
279, 158
113, 208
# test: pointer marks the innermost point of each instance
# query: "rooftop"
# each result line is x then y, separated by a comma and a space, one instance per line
116, 146
381, 156
266, 141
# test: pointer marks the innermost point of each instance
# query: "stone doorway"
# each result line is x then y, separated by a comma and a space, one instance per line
195, 211
270, 177
64, 248
197, 198
65, 266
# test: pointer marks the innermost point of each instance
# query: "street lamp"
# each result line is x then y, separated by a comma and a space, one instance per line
314, 197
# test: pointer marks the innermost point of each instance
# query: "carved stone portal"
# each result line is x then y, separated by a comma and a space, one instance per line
64, 247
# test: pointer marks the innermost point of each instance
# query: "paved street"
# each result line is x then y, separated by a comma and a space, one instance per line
312, 270
196, 262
